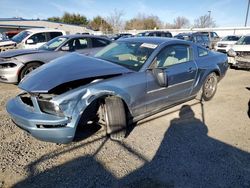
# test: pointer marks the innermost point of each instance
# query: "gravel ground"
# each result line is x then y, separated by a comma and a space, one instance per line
191, 145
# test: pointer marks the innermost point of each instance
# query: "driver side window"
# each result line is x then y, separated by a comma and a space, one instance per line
39, 37
77, 44
173, 55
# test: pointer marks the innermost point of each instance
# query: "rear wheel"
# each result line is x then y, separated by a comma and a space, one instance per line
27, 69
115, 118
209, 87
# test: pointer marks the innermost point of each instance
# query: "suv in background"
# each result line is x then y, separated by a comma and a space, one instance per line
197, 38
213, 37
226, 43
34, 38
155, 34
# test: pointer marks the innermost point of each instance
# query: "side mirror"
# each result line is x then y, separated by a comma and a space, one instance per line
65, 48
30, 41
161, 77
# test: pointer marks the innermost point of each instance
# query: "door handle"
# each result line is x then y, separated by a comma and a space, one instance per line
190, 70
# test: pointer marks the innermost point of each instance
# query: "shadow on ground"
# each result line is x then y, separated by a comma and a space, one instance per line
187, 157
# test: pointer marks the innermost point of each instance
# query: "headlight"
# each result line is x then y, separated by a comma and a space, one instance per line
231, 53
7, 65
50, 107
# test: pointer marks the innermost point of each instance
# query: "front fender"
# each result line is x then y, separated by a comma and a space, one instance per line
93, 94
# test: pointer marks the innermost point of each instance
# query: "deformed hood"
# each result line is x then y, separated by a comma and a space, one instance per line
67, 69
18, 52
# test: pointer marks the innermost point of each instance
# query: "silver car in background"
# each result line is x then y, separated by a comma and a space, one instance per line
15, 64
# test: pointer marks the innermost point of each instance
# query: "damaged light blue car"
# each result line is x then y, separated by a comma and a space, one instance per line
126, 81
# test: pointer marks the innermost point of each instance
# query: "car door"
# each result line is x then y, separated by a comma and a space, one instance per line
180, 69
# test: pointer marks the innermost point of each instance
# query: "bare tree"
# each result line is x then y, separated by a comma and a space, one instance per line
204, 21
115, 20
181, 22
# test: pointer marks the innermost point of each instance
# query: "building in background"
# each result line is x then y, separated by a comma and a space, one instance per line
13, 24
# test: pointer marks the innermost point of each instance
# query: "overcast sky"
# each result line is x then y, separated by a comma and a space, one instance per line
224, 12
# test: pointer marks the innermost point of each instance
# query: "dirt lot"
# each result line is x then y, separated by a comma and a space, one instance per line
197, 145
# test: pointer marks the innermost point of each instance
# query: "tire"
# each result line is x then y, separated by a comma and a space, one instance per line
209, 87
115, 118
27, 69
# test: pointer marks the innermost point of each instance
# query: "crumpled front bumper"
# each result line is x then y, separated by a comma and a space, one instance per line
33, 121
239, 62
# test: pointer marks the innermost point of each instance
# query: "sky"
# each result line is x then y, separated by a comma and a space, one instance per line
226, 13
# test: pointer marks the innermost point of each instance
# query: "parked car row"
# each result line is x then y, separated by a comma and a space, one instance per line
16, 64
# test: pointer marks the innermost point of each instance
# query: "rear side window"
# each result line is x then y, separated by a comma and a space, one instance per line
55, 34
202, 52
99, 42
168, 35
198, 39
38, 37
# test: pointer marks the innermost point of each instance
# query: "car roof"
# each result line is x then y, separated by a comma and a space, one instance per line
84, 35
154, 32
44, 30
152, 40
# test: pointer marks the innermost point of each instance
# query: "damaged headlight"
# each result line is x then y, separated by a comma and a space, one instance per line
231, 53
7, 65
50, 108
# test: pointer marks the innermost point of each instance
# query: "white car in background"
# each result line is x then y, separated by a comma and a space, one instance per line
34, 38
239, 54
226, 43
5, 43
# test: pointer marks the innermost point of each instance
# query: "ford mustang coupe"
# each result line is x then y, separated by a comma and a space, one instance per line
126, 81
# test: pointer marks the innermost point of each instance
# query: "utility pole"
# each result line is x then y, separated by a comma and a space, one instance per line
247, 13
209, 14
209, 17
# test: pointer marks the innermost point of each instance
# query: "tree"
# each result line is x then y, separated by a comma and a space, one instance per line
115, 20
99, 24
55, 19
68, 18
204, 22
143, 22
180, 22
76, 19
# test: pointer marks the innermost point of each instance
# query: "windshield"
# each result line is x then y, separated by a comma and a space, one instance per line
20, 36
131, 55
243, 40
53, 44
230, 38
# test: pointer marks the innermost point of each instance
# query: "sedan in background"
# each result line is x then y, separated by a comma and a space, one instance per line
15, 64
126, 81
226, 43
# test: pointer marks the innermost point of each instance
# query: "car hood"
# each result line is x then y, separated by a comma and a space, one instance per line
18, 52
6, 42
68, 70
227, 42
241, 48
